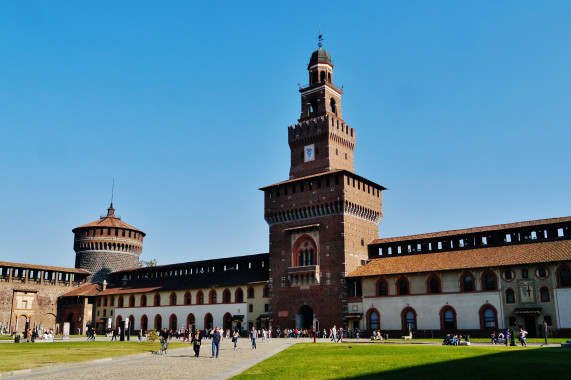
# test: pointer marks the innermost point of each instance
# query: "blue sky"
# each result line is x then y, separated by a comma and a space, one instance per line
461, 110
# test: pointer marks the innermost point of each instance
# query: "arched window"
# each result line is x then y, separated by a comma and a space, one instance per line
226, 296
488, 317
144, 323
208, 321
402, 286
200, 298
120, 301
322, 76
564, 277
143, 300
250, 292
173, 299
157, 300
239, 295
266, 291
468, 283
329, 77
313, 104
489, 281
408, 316
190, 320
433, 284
131, 323
382, 288
544, 294
132, 301
118, 321
173, 322
105, 301
333, 106
212, 297
510, 296
374, 320
304, 252
448, 318
158, 322
187, 298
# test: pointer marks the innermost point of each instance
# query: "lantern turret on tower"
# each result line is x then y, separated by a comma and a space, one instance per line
320, 141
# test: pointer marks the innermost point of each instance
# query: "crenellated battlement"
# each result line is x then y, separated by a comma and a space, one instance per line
326, 124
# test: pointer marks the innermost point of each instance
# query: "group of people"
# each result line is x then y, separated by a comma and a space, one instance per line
500, 337
453, 340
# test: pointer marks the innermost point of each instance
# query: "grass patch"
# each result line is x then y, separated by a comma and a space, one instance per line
374, 361
31, 355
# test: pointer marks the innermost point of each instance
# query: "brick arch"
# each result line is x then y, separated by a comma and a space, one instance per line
481, 313
144, 323
300, 244
483, 280
158, 322
378, 286
143, 300
442, 311
187, 298
251, 292
226, 296
369, 312
118, 320
208, 321
172, 299
190, 320
227, 322
403, 318
239, 295
200, 298
132, 301
508, 290
212, 296
173, 322
558, 271
157, 300
266, 292
461, 281
433, 276
398, 282
131, 322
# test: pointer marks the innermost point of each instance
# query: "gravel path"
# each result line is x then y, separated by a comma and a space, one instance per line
179, 363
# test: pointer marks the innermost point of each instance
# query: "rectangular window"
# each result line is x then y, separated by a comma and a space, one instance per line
399, 249
508, 238
560, 232
484, 240
533, 235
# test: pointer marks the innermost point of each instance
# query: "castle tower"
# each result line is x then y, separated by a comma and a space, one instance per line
107, 245
323, 217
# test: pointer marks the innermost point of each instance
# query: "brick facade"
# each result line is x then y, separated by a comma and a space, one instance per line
323, 218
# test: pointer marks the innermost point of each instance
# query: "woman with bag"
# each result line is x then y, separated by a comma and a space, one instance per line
196, 342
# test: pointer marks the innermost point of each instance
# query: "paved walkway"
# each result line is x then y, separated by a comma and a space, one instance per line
179, 363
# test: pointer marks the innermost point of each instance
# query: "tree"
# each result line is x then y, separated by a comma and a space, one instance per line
147, 263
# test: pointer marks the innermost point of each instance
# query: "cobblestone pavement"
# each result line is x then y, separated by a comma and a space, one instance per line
179, 363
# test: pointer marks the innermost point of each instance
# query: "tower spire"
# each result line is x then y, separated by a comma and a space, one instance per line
111, 210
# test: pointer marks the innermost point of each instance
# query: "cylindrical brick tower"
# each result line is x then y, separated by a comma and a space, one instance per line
107, 245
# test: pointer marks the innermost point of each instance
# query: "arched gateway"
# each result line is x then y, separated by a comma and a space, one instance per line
304, 318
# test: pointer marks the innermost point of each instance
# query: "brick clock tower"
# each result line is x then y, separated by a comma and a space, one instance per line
321, 219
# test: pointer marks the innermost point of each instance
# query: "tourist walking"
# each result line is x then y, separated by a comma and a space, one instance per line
196, 342
216, 341
253, 336
235, 337
523, 337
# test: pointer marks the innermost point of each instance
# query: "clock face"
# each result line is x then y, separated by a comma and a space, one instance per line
309, 153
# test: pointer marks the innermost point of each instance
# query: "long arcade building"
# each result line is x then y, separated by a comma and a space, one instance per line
326, 265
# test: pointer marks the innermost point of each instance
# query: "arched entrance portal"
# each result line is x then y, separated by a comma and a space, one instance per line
304, 318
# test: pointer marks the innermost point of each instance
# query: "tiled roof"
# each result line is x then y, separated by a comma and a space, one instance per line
530, 223
110, 221
191, 281
517, 254
85, 290
324, 174
42, 267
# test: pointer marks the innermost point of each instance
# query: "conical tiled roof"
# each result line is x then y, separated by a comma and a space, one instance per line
110, 220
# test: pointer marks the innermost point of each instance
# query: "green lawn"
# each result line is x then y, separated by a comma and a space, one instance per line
30, 355
374, 361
